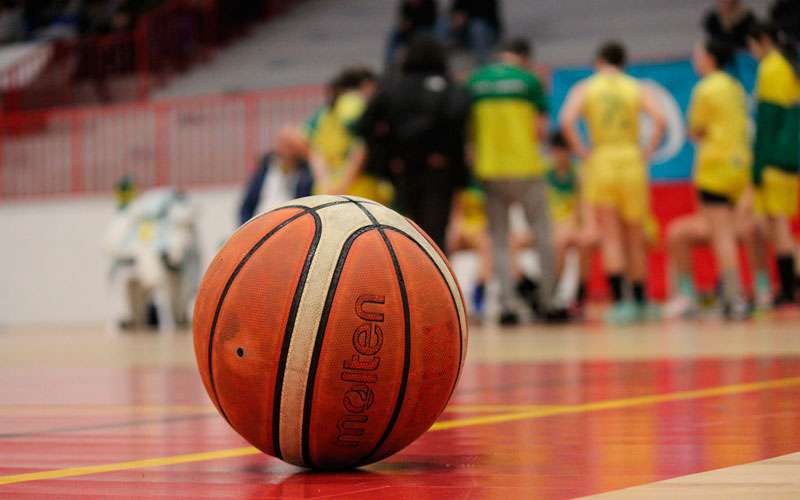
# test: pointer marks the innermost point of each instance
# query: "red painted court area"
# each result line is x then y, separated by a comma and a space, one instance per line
549, 428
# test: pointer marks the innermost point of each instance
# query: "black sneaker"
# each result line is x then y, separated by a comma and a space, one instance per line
556, 316
509, 318
783, 300
529, 291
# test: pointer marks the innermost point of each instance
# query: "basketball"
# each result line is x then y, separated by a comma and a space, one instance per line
330, 332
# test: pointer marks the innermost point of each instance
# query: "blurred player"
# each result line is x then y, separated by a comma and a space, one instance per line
692, 230
332, 144
468, 231
718, 124
509, 115
565, 207
282, 175
615, 176
777, 147
156, 258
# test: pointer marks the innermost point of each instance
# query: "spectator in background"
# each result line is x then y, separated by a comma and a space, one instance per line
509, 118
785, 15
478, 22
421, 117
729, 22
52, 19
11, 27
414, 17
281, 176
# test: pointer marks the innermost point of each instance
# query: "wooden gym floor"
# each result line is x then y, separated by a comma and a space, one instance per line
540, 412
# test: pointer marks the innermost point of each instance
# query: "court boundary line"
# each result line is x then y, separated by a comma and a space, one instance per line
614, 404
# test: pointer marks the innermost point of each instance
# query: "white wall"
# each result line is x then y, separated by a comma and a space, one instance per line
52, 265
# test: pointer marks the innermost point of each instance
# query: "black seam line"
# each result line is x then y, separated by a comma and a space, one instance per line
227, 288
452, 297
232, 277
302, 207
323, 322
401, 393
287, 336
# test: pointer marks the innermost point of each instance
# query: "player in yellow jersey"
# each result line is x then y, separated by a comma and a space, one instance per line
777, 146
718, 125
332, 143
615, 180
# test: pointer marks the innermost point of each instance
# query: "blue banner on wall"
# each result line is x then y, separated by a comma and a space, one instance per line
672, 83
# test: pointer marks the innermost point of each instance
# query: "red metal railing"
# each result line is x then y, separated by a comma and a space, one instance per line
180, 142
127, 65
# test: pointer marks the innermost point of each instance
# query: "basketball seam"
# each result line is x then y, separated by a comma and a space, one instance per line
401, 392
224, 294
452, 297
238, 268
287, 336
323, 323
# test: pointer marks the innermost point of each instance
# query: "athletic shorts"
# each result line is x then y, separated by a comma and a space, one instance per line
617, 178
779, 193
709, 198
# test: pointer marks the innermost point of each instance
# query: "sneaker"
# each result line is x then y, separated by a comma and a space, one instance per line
680, 306
529, 291
509, 318
649, 312
556, 316
622, 313
737, 311
783, 300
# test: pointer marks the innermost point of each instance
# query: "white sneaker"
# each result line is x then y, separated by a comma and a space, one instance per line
680, 306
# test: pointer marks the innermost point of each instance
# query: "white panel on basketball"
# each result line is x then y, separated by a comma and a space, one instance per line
392, 218
337, 224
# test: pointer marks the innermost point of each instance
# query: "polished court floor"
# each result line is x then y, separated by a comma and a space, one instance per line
698, 408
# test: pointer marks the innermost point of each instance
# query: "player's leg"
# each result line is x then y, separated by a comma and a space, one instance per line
537, 212
683, 234
613, 248
781, 203
751, 231
723, 241
497, 206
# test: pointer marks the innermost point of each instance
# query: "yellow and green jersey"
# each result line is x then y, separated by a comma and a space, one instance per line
718, 113
611, 108
328, 131
777, 93
506, 102
562, 193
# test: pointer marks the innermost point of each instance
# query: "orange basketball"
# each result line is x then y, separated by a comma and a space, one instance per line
330, 332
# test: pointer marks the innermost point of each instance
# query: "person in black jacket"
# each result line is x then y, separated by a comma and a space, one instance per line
419, 119
729, 23
281, 176
414, 17
479, 23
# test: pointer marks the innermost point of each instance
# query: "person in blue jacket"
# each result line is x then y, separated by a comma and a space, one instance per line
282, 175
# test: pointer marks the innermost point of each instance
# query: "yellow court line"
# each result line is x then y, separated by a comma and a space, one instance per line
614, 404
478, 408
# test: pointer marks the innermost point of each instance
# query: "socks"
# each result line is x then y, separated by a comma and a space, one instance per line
786, 275
686, 286
616, 284
639, 293
731, 287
